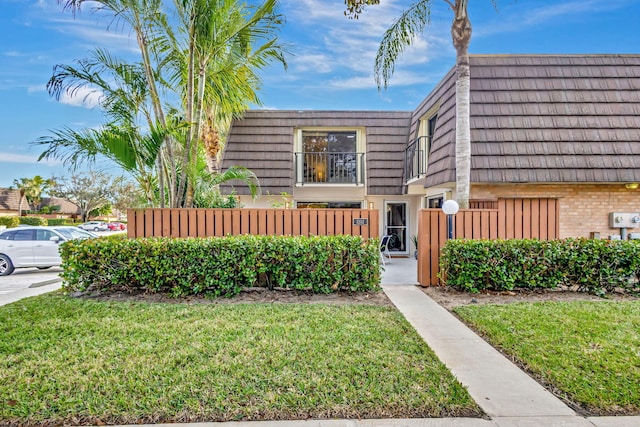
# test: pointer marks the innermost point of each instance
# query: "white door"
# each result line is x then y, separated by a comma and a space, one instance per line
396, 226
45, 251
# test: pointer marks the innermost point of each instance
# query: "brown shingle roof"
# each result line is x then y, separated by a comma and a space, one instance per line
543, 118
10, 200
263, 142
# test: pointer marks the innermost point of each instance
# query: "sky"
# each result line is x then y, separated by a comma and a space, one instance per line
330, 61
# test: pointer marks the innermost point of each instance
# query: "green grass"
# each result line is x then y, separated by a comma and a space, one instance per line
73, 360
589, 352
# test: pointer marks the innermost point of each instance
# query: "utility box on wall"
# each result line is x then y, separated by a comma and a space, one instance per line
624, 219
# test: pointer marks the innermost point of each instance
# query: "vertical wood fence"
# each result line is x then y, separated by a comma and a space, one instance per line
223, 222
513, 219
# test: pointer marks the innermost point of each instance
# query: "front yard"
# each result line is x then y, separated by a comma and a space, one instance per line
587, 352
83, 361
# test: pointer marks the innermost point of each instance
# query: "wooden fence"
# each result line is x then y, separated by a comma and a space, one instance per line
222, 222
513, 219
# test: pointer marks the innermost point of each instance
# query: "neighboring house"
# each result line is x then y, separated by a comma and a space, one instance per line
559, 126
10, 202
67, 209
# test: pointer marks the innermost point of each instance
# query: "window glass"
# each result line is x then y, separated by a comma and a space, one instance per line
44, 234
8, 235
330, 156
329, 205
23, 235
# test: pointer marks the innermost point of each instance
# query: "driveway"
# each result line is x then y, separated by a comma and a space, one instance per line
26, 282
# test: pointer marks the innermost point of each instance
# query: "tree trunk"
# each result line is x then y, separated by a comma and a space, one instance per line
461, 34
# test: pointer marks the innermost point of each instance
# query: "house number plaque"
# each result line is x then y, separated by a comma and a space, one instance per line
360, 221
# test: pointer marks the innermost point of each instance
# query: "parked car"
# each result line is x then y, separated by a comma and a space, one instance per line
115, 226
94, 226
35, 246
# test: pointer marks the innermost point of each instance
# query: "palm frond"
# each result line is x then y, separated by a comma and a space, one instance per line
398, 37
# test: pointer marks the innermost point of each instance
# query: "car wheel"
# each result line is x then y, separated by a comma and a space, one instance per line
96, 229
6, 266
43, 268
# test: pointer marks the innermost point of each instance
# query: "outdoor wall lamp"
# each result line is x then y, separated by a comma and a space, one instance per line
450, 208
370, 205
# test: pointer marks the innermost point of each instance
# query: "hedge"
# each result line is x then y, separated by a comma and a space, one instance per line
591, 265
10, 221
33, 220
222, 266
57, 221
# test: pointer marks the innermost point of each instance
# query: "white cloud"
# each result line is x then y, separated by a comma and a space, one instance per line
27, 158
82, 97
320, 63
332, 43
36, 89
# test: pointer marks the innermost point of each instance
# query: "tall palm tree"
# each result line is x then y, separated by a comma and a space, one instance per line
216, 67
209, 62
399, 36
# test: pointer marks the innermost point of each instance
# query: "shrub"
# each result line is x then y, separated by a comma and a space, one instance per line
222, 265
10, 221
33, 220
591, 265
57, 221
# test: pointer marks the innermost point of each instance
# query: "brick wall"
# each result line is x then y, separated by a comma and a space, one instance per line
584, 208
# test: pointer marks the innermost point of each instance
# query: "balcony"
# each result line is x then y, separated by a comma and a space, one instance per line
329, 168
415, 158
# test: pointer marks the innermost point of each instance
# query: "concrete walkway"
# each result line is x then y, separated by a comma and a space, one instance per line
507, 395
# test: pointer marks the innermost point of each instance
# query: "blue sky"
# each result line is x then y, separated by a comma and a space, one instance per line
331, 66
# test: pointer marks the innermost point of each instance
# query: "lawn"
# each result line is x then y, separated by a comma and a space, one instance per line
73, 360
589, 352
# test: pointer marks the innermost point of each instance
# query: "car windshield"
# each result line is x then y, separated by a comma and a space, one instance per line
74, 233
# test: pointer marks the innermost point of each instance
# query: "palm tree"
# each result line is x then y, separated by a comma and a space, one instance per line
32, 189
210, 63
399, 36
216, 67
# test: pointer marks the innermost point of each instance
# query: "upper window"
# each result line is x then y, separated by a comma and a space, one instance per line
329, 157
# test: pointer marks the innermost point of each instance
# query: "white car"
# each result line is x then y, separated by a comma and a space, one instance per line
33, 246
94, 226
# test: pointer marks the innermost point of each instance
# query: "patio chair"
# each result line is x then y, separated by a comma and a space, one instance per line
384, 249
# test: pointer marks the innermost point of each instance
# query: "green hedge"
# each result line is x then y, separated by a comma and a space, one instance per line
10, 221
591, 265
33, 220
222, 266
57, 221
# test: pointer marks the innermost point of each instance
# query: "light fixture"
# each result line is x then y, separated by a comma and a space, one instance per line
370, 205
632, 185
450, 208
286, 205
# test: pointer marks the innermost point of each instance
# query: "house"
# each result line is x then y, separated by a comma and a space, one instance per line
11, 203
552, 126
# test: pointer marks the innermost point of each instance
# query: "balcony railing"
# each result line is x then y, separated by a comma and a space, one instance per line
415, 159
329, 168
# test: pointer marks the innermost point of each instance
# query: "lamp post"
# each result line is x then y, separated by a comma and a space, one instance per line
450, 208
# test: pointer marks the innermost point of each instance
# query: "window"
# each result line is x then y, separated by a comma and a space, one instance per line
416, 155
23, 235
328, 156
44, 234
435, 202
7, 235
329, 205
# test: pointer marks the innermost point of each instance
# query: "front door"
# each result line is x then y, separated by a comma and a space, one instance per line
396, 227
